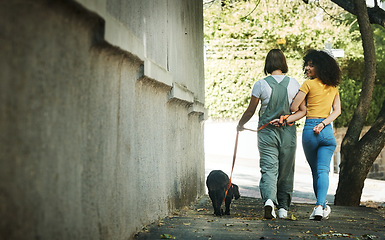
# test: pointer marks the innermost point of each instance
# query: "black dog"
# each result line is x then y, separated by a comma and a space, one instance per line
217, 182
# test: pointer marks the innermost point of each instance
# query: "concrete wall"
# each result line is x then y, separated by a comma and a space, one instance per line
101, 108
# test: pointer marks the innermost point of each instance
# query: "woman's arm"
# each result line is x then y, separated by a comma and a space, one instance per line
248, 113
335, 113
298, 114
297, 101
294, 117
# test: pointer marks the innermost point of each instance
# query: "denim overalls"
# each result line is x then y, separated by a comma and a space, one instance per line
277, 146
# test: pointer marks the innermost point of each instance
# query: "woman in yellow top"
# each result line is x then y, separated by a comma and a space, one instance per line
323, 106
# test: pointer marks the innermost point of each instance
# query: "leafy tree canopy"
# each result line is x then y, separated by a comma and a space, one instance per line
239, 35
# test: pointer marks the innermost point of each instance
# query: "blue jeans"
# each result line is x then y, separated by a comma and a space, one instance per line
319, 149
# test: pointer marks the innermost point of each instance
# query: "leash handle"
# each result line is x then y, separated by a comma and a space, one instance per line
282, 122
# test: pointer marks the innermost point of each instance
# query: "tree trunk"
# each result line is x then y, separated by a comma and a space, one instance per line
376, 14
358, 160
357, 156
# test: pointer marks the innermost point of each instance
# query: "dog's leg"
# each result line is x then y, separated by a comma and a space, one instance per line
227, 205
216, 204
217, 209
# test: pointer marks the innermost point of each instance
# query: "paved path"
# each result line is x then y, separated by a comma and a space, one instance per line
246, 220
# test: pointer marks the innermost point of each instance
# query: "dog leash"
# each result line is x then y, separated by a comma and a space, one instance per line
282, 121
234, 157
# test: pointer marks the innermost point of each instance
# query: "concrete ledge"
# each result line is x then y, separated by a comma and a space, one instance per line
181, 93
154, 71
119, 35
199, 108
116, 33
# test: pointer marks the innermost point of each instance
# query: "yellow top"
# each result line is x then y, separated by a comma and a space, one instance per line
319, 97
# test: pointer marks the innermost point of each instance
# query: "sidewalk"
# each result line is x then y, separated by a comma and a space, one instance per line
246, 220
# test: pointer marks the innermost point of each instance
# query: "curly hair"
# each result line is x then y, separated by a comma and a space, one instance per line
275, 60
326, 67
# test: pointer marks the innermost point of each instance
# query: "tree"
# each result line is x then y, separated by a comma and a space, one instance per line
376, 14
358, 155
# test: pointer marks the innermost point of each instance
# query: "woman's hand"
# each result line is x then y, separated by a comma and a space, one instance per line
317, 129
335, 113
275, 122
248, 113
240, 128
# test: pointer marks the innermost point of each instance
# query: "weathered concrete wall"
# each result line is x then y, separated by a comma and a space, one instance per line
101, 107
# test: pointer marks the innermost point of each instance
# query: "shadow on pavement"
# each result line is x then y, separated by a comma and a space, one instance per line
246, 222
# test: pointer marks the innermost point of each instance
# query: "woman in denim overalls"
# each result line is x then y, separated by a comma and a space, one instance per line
323, 107
277, 145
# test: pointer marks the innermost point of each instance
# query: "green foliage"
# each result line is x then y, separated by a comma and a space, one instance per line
349, 93
226, 96
239, 36
350, 88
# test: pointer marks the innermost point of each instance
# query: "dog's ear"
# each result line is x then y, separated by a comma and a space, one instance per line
235, 191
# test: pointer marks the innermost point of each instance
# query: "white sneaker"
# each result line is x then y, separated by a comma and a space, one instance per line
327, 211
282, 213
317, 213
269, 209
